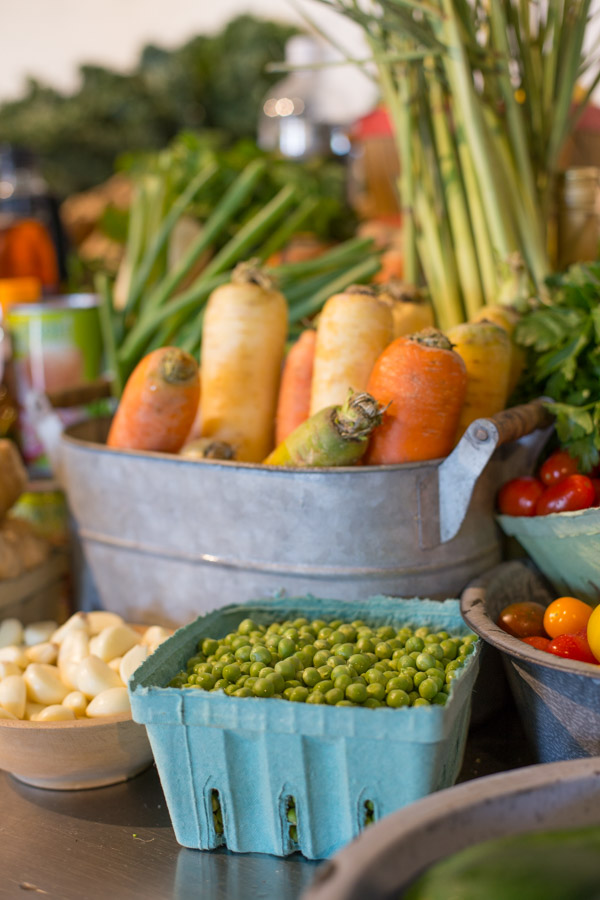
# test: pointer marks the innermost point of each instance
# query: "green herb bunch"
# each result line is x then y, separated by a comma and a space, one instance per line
562, 339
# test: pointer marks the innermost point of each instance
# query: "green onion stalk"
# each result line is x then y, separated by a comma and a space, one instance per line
481, 100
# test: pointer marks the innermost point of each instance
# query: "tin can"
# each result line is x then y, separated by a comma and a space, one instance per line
56, 345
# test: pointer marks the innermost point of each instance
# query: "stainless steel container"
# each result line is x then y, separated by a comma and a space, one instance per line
167, 538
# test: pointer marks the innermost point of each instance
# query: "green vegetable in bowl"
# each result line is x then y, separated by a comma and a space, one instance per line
335, 664
559, 865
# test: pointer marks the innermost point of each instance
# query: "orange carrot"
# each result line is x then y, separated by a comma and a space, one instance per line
293, 404
424, 382
159, 403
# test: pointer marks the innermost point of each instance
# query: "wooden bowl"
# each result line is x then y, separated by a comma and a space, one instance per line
68, 756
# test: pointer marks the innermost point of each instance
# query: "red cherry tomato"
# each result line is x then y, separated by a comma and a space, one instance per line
573, 492
596, 484
522, 619
572, 646
520, 496
558, 465
537, 641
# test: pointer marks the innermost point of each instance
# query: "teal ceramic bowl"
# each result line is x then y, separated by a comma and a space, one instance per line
565, 547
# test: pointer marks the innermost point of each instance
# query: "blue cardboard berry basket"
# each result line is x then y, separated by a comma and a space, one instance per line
254, 757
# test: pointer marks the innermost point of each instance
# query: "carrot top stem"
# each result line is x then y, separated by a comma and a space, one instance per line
177, 366
432, 337
250, 272
356, 418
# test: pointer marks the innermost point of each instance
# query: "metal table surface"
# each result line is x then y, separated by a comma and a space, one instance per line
117, 843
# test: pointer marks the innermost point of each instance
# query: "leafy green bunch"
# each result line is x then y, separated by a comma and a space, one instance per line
562, 339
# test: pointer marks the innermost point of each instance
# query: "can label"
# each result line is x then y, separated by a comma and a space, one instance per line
55, 346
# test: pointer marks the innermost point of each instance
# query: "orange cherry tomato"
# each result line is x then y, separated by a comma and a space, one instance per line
566, 615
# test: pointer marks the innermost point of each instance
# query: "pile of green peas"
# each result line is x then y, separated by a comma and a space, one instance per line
330, 662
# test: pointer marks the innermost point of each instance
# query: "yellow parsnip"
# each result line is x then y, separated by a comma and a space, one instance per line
410, 311
354, 328
243, 342
506, 317
485, 351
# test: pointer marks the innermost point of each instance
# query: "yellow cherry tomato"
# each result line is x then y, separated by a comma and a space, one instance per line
566, 615
593, 632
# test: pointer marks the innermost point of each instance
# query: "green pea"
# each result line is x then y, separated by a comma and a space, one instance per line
342, 682
305, 659
438, 674
262, 687
372, 703
250, 681
365, 645
406, 661
450, 648
243, 653
286, 667
429, 688
360, 662
466, 649
266, 670
413, 695
396, 699
247, 626
220, 684
356, 692
386, 632
414, 644
335, 661
376, 691
425, 661
191, 679
324, 633
231, 672
286, 647
320, 658
324, 686
421, 701
231, 689
299, 694
421, 632
349, 632
205, 681
260, 654
336, 637
209, 646
309, 650
402, 682
311, 676
292, 683
435, 650
316, 697
333, 696
440, 699
383, 650
375, 676
346, 650
345, 703
242, 692
256, 668
277, 681
418, 678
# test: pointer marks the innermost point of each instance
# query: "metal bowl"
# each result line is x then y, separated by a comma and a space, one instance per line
387, 856
557, 699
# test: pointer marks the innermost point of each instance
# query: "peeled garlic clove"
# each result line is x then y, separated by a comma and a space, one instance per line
67, 669
13, 695
109, 703
32, 709
14, 655
130, 662
115, 663
56, 712
39, 632
11, 632
99, 619
77, 621
155, 635
9, 668
93, 676
42, 653
75, 646
77, 702
115, 640
44, 684
5, 714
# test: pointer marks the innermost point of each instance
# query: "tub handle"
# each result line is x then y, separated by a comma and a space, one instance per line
454, 480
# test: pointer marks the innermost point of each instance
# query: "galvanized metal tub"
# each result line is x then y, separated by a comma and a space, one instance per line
168, 538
